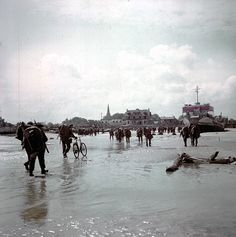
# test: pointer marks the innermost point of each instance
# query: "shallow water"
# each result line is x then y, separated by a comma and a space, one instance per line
119, 189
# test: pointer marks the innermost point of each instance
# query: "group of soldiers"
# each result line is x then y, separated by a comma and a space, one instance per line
88, 131
33, 140
121, 133
193, 132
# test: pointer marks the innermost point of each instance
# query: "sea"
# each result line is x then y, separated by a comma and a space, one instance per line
120, 189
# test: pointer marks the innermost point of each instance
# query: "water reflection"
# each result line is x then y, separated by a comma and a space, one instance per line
66, 168
127, 145
147, 168
71, 174
36, 203
120, 147
73, 169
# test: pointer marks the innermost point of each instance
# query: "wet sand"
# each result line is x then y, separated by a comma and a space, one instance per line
120, 189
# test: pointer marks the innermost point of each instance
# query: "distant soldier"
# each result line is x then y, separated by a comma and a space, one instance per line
111, 133
173, 131
185, 134
148, 136
127, 135
139, 134
119, 134
194, 134
66, 135
160, 130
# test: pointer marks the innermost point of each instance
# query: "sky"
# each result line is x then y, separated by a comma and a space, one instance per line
61, 59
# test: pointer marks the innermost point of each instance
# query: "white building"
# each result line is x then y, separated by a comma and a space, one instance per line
138, 118
168, 122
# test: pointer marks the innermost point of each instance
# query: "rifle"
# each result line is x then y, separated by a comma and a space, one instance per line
46, 147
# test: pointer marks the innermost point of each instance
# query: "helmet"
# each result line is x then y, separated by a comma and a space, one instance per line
40, 125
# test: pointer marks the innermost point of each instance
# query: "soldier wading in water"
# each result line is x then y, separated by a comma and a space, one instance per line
66, 135
33, 140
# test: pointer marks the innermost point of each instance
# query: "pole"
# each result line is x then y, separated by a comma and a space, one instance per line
197, 91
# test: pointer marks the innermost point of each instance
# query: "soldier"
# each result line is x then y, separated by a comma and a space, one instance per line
34, 142
194, 134
111, 133
127, 135
140, 135
66, 135
185, 134
148, 135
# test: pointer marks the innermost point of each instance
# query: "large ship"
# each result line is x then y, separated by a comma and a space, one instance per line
203, 115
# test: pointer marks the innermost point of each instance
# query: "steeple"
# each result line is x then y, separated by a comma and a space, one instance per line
108, 115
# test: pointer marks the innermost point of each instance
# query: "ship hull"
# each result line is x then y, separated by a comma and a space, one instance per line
210, 128
207, 124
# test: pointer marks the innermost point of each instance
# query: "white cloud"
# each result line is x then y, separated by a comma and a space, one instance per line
132, 60
229, 87
173, 54
168, 13
170, 63
163, 80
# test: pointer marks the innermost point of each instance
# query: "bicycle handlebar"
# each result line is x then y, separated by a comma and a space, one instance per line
77, 138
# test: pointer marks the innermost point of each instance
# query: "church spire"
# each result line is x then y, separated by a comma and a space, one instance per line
108, 115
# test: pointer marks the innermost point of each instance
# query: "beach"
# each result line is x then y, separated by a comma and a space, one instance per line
120, 189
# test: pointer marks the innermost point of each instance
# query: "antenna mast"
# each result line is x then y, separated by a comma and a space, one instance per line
197, 91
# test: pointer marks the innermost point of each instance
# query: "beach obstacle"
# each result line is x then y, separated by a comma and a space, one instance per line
185, 158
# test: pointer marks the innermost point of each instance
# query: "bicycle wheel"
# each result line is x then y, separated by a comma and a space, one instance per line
76, 150
83, 149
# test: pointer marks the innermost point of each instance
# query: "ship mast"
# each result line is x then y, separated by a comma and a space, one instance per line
197, 91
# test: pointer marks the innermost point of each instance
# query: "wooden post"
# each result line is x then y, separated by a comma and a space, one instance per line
176, 164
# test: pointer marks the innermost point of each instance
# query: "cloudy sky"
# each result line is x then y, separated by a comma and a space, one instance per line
60, 59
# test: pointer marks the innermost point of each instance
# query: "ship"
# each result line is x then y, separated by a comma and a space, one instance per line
203, 115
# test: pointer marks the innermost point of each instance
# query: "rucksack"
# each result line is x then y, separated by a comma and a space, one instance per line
33, 137
64, 132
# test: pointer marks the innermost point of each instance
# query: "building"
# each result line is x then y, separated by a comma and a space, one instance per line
115, 122
138, 118
168, 122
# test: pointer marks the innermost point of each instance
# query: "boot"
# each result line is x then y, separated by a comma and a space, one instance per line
26, 165
44, 171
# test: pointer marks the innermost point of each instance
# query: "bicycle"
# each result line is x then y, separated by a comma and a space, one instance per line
79, 147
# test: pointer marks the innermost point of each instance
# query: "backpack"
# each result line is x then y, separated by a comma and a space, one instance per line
33, 138
64, 132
